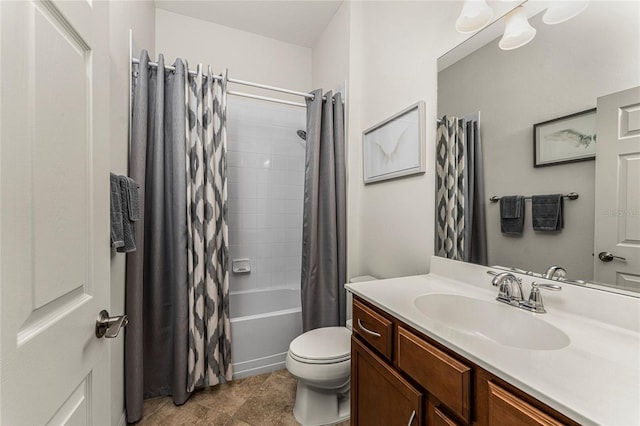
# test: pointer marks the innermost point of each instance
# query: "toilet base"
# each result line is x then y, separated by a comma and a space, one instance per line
315, 407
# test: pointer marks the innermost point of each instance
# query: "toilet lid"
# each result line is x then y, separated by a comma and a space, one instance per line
322, 345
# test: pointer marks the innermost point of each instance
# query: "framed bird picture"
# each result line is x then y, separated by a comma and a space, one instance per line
565, 140
396, 146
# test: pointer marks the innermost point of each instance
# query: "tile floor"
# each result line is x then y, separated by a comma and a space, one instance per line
264, 400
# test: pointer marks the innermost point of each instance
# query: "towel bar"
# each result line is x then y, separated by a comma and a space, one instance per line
571, 196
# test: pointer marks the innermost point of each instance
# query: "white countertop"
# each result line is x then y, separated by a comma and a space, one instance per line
594, 380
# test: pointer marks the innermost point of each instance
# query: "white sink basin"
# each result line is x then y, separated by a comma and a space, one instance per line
501, 323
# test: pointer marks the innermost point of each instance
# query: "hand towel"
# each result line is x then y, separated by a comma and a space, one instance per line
127, 186
547, 212
117, 232
512, 214
132, 194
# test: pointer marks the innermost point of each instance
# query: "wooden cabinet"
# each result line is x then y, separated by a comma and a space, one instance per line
507, 409
382, 396
373, 328
437, 417
397, 371
446, 378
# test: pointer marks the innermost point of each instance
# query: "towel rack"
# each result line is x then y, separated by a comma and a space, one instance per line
571, 196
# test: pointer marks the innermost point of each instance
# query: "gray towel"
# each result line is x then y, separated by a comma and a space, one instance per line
512, 214
547, 212
128, 195
117, 232
134, 206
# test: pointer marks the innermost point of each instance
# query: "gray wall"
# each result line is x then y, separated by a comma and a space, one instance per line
562, 71
393, 49
247, 56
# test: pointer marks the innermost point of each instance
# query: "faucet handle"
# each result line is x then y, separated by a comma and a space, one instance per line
534, 304
555, 271
554, 287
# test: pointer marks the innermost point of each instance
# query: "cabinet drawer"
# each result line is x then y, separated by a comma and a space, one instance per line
444, 377
373, 328
507, 409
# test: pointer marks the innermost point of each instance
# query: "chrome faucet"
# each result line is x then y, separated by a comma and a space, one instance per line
510, 291
534, 304
555, 270
510, 288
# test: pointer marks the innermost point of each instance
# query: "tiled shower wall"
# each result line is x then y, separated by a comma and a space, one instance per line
265, 172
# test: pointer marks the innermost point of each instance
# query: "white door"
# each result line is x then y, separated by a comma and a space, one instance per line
54, 212
617, 225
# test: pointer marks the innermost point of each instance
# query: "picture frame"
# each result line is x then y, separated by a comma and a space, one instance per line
395, 147
567, 139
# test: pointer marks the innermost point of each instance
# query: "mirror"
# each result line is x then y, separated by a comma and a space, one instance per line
562, 71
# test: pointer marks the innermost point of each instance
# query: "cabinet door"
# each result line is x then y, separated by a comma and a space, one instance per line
379, 395
437, 417
507, 409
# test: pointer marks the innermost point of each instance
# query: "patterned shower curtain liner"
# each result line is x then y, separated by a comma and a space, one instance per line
450, 186
209, 358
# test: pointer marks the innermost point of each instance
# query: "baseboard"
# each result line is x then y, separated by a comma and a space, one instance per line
258, 370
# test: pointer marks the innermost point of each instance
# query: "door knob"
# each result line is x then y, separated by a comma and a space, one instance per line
109, 327
605, 256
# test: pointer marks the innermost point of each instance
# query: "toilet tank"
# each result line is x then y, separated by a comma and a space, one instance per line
358, 279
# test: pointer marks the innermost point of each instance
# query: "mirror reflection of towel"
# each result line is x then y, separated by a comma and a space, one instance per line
547, 212
512, 214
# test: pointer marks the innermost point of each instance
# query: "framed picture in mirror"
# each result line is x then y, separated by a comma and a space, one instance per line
566, 139
396, 146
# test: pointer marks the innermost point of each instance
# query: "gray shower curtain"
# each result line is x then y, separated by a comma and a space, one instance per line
460, 210
476, 232
324, 215
156, 282
177, 285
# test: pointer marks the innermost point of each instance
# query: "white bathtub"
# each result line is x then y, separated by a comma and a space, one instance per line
263, 324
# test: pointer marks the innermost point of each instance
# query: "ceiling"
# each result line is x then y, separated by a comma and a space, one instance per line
294, 21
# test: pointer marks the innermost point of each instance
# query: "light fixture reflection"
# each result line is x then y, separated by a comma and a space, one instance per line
562, 11
517, 30
475, 15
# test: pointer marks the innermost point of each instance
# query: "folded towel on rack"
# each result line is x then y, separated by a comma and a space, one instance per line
128, 196
134, 205
117, 232
547, 212
512, 214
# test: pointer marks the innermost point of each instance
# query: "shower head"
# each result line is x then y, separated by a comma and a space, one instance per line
302, 134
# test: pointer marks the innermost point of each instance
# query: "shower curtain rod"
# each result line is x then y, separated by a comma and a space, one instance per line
246, 83
265, 98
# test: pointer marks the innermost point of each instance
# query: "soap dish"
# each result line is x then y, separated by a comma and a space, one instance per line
241, 266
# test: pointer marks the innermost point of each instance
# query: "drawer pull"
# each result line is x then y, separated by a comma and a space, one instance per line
363, 328
413, 416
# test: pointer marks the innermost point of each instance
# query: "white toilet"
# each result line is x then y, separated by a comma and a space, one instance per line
321, 361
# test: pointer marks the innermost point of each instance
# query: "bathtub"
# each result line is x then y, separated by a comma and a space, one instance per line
263, 324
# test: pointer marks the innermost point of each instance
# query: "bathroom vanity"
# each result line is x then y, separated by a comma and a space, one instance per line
439, 350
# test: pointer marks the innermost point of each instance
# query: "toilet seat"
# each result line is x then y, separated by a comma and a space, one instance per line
327, 345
